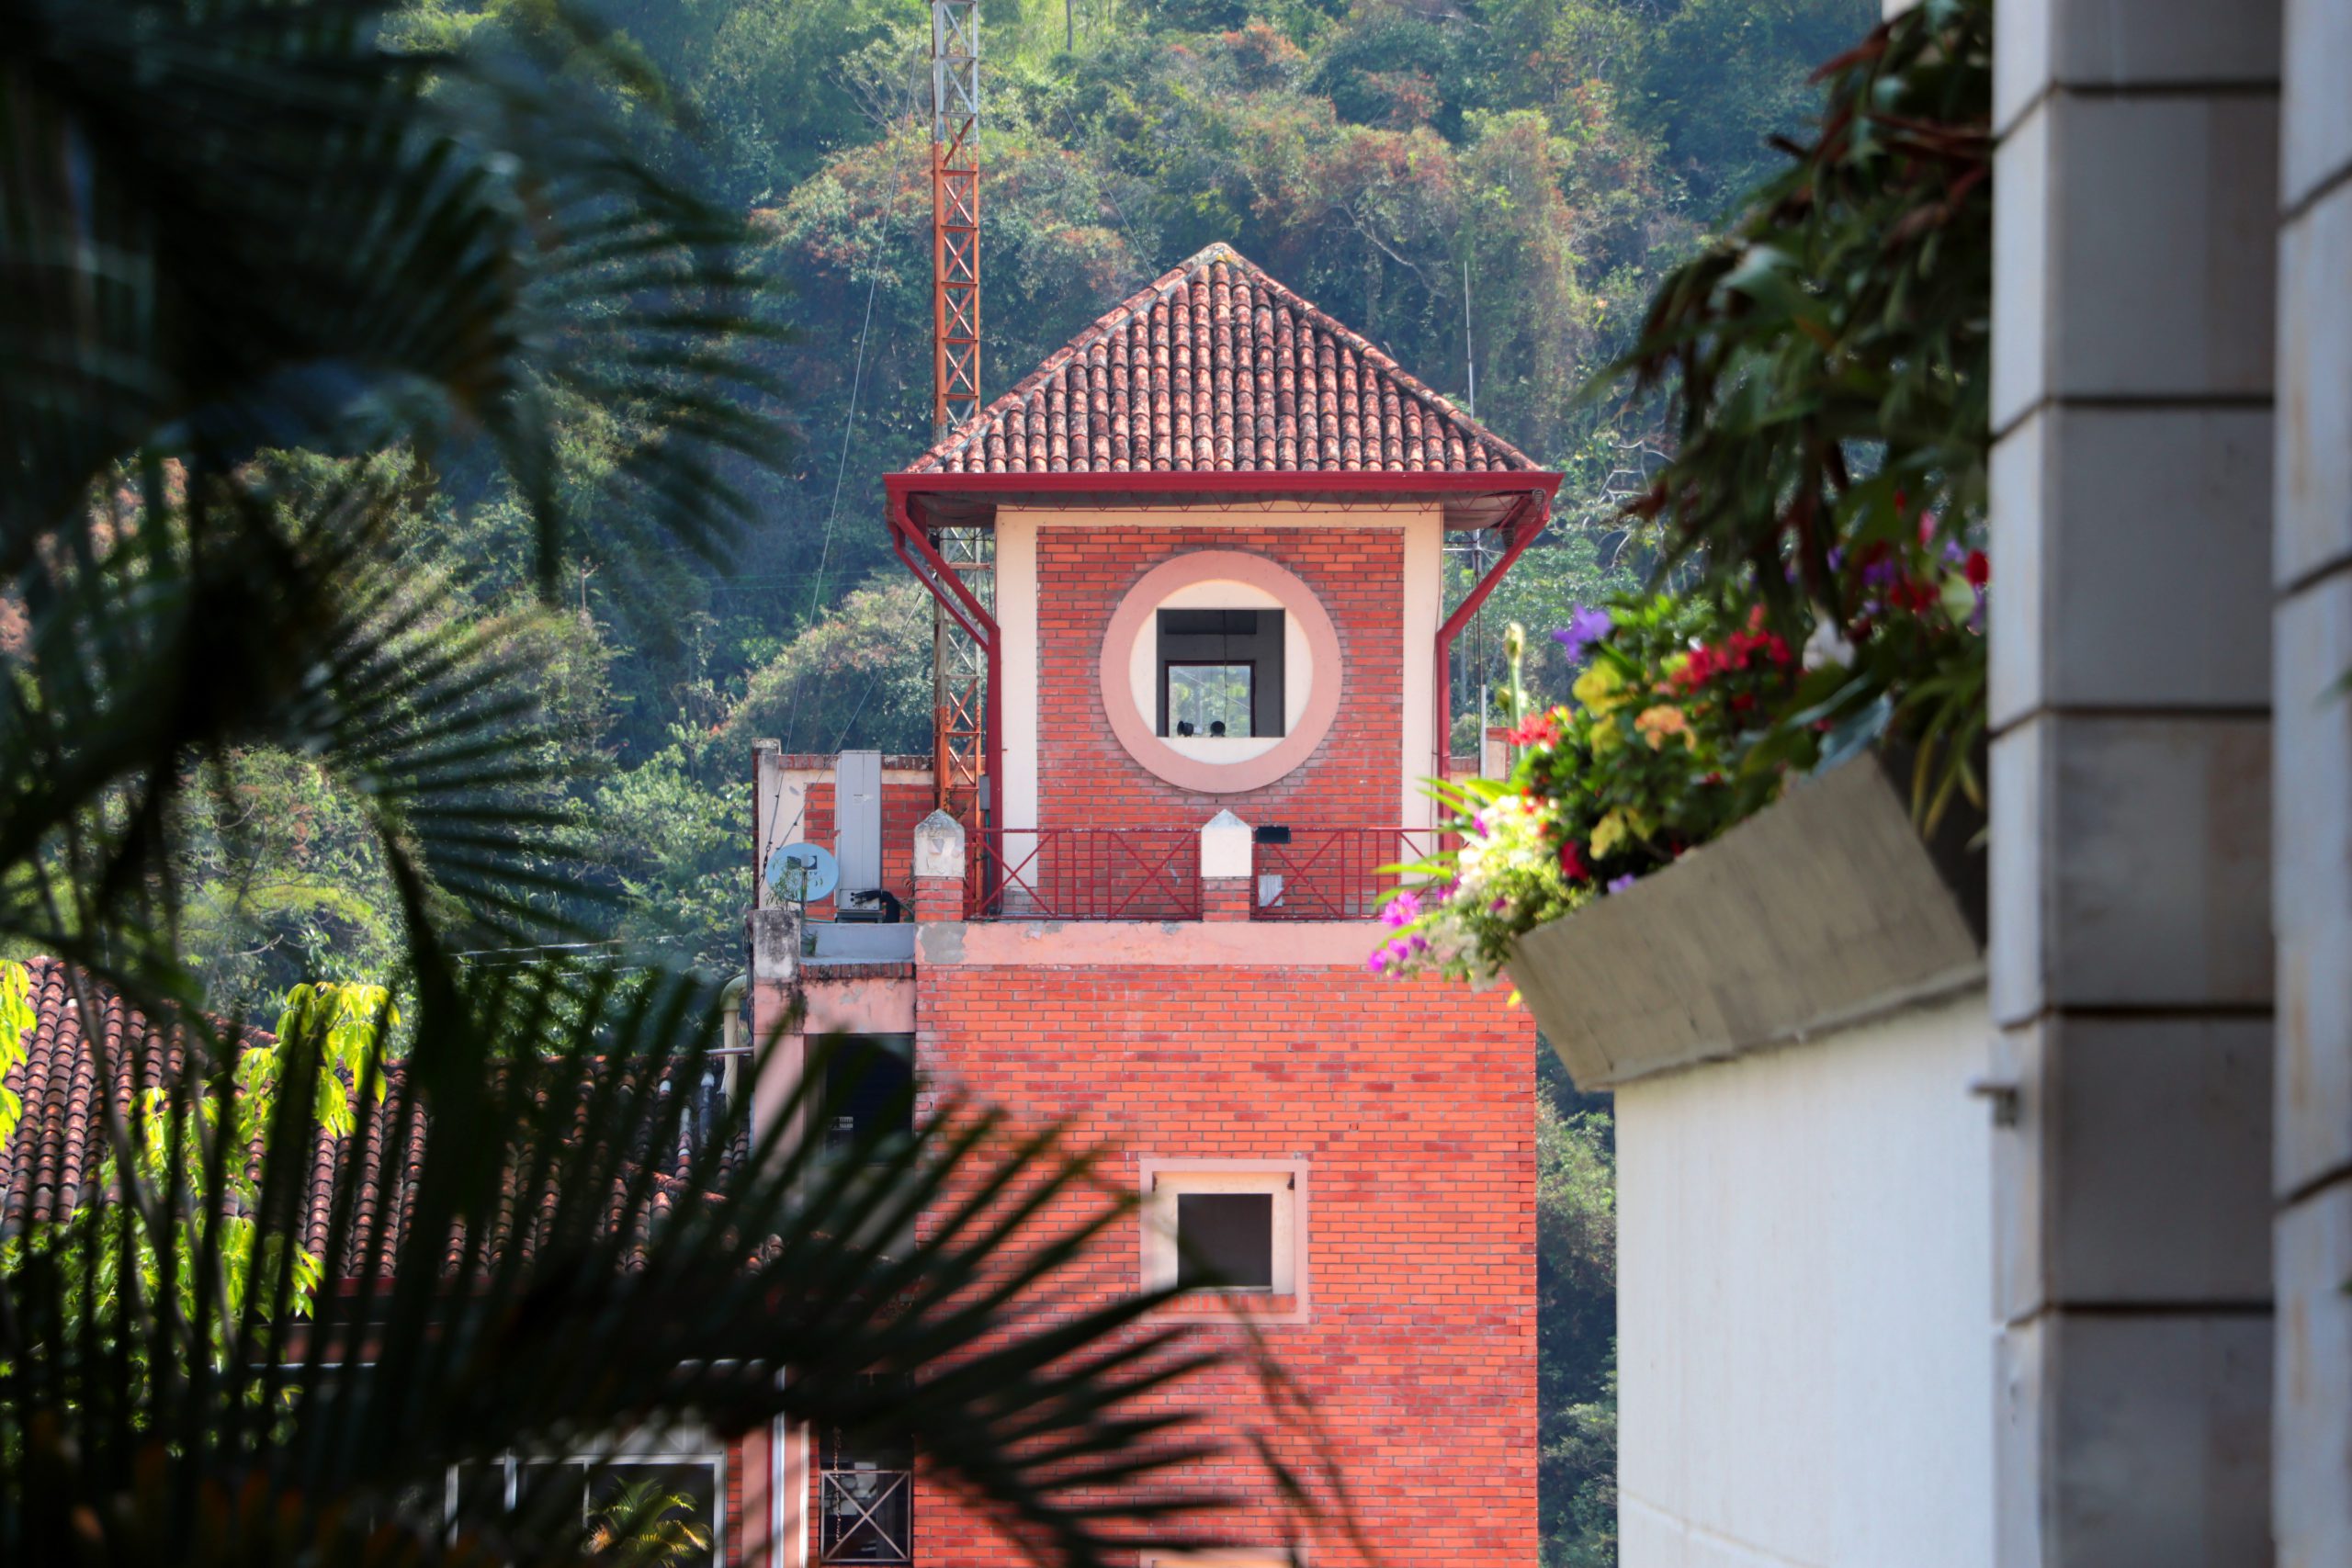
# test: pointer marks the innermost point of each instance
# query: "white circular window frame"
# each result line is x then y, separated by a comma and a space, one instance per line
1227, 580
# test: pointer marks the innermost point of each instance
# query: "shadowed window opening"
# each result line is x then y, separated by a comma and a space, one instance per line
1224, 1240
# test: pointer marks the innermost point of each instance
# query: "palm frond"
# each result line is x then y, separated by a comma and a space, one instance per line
605, 1251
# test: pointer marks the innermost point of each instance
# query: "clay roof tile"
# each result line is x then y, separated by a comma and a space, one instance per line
1212, 368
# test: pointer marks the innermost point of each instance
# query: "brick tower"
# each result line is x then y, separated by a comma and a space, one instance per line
1217, 674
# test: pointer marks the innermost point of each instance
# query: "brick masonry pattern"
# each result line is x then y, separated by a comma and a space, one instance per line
1085, 778
1413, 1103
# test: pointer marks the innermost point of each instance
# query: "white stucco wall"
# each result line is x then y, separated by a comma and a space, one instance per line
1805, 1303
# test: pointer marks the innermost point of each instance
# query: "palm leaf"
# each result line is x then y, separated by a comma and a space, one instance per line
561, 1202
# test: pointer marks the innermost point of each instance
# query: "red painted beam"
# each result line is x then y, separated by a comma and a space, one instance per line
1520, 530
1370, 483
948, 587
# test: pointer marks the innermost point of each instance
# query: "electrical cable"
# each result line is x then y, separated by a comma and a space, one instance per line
841, 472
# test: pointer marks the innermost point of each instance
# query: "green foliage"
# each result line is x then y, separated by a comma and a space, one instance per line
16, 1021
204, 1144
1830, 367
675, 838
641, 1525
1575, 1236
322, 353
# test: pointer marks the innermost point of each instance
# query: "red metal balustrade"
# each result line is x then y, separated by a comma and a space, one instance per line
1084, 874
1332, 874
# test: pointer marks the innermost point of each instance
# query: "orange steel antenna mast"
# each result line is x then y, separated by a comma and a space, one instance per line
955, 212
958, 667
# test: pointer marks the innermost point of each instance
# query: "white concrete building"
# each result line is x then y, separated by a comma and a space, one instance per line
2051, 1273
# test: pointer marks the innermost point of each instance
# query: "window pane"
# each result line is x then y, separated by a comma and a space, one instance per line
868, 1090
549, 1495
669, 1510
1224, 1240
479, 1492
1209, 699
868, 1516
866, 1492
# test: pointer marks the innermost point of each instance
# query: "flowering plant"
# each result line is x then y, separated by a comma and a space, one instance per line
1688, 715
1828, 361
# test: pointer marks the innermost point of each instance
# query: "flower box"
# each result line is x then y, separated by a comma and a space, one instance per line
1824, 909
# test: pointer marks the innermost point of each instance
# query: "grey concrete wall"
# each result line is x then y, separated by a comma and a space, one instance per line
2131, 961
2311, 899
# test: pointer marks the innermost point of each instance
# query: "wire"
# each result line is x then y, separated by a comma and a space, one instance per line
841, 472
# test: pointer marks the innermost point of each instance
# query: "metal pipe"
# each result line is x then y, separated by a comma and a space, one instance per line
1526, 522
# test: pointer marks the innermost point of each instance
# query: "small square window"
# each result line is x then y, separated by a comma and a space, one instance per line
1220, 673
1224, 1240
1226, 1228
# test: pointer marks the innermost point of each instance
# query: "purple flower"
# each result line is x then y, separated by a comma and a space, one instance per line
1402, 910
1499, 906
1585, 627
1619, 884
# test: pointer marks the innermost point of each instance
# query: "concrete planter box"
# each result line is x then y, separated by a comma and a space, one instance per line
1823, 911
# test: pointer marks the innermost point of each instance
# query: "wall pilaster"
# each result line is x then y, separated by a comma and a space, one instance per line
2130, 961
2312, 800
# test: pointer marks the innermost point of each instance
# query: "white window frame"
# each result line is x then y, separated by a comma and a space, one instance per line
1162, 1181
685, 1443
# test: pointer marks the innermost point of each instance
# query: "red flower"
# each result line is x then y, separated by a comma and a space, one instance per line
1980, 571
1572, 865
1535, 729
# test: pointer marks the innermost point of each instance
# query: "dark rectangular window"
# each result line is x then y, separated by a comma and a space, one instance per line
1220, 673
865, 1497
1224, 1240
673, 1499
869, 1091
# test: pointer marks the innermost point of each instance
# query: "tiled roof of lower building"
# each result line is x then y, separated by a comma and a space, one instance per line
1217, 368
56, 1159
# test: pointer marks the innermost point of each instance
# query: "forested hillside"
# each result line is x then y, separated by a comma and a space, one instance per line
1486, 187
1487, 184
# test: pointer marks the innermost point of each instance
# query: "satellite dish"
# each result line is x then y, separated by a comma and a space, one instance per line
802, 872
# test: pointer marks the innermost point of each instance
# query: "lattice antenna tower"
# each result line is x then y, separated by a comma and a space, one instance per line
958, 669
955, 213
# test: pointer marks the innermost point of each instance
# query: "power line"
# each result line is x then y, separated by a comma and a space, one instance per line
841, 472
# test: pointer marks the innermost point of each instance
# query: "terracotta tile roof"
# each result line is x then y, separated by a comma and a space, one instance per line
1217, 368
51, 1164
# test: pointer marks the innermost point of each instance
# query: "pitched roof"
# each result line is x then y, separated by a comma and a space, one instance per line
1217, 368
52, 1164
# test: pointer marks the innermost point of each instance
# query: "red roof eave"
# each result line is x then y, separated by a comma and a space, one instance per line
1175, 483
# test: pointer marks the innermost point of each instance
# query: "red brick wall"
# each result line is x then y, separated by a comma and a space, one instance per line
903, 806
1413, 1103
1085, 778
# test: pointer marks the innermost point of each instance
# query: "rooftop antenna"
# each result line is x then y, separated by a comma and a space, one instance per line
955, 213
958, 669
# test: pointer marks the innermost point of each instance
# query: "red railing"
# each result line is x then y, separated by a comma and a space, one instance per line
1084, 874
1331, 873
